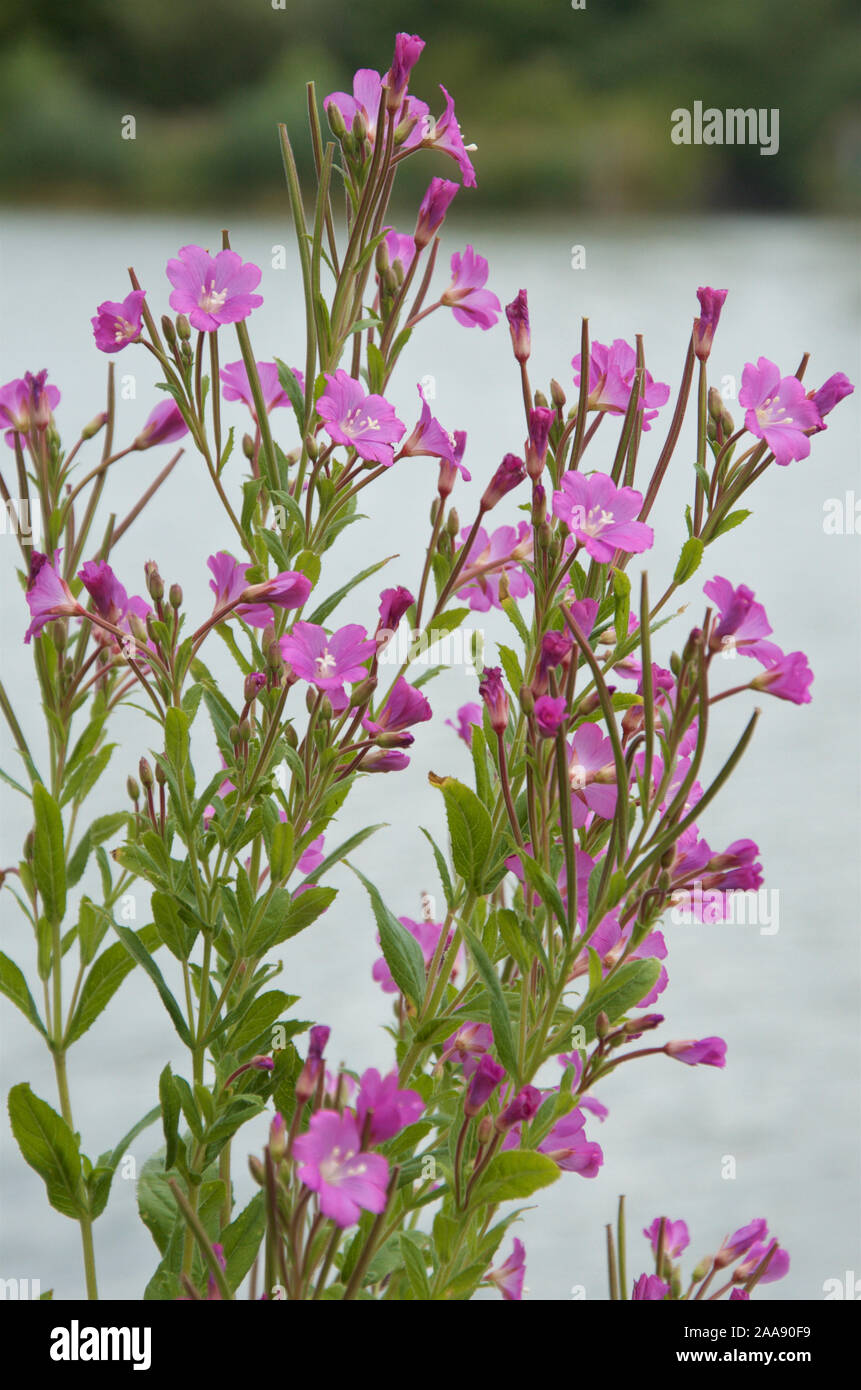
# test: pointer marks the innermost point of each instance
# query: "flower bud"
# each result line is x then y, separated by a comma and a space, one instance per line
452, 524
360, 128
277, 1137
175, 595
539, 400
381, 259
247, 446
160, 775
363, 692
183, 327
258, 1172
527, 699
508, 475
337, 124
312, 446
154, 581
602, 1025
168, 329
133, 789
138, 629
94, 426
557, 395
517, 313
244, 730
255, 681
492, 692
145, 773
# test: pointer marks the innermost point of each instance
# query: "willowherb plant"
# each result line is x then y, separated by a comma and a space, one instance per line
581, 831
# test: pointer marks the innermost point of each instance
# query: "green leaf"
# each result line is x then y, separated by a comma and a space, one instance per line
241, 1240
289, 381
81, 782
415, 1267
514, 616
280, 851
14, 986
729, 522
176, 737
331, 603
621, 604
503, 1033
100, 1179
260, 1016
50, 1147
343, 850
689, 560
136, 948
49, 864
517, 1173
511, 666
543, 884
169, 1100
402, 952
103, 981
619, 993
286, 916
469, 828
442, 867
177, 937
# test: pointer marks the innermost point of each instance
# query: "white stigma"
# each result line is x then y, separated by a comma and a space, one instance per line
211, 299
324, 665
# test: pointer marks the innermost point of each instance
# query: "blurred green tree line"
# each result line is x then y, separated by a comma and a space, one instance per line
570, 107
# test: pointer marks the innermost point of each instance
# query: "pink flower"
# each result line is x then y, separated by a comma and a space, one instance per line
706, 1052
830, 393
492, 691
509, 475
117, 325
27, 404
470, 302
434, 206
742, 624
394, 603
48, 595
650, 1288
741, 1241
676, 1236
602, 516
482, 1084
212, 290
236, 386
228, 578
346, 1181
786, 675
163, 425
711, 303
404, 707
510, 1275
550, 714
523, 1107
611, 379
488, 558
517, 313
777, 1268
568, 1146
450, 467
466, 1046
589, 754
445, 134
467, 716
408, 50
288, 589
325, 661
312, 857
400, 248
367, 424
778, 410
429, 438
390, 1109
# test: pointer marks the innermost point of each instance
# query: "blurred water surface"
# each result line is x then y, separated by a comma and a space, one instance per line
786, 1107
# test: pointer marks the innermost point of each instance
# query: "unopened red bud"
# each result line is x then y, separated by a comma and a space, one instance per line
278, 1137
154, 581
168, 329
485, 1129
160, 775
175, 596
145, 772
557, 395
602, 1025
